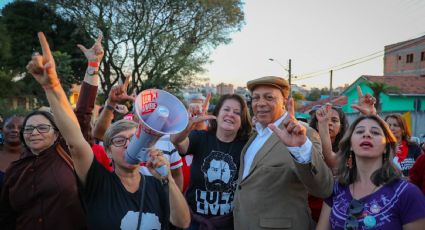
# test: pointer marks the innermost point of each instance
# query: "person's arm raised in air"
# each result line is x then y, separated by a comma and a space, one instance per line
325, 214
88, 91
117, 95
43, 69
323, 118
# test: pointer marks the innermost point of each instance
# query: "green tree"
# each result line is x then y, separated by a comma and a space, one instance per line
297, 98
20, 21
163, 44
378, 88
314, 94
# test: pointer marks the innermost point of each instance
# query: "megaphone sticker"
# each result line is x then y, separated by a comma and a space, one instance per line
149, 101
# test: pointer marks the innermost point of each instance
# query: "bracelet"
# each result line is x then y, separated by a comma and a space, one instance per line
52, 86
93, 64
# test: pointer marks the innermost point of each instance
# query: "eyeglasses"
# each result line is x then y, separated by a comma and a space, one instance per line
40, 128
120, 141
354, 211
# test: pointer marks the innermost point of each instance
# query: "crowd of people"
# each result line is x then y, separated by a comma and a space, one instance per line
228, 169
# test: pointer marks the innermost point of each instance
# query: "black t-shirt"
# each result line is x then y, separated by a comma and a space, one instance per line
213, 173
110, 206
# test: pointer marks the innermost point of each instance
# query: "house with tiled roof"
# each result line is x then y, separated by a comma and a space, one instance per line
338, 101
408, 95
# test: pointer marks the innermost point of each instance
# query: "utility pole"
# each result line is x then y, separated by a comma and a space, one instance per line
289, 78
330, 88
289, 69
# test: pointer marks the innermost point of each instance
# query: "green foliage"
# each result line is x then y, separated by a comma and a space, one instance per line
6, 110
163, 44
378, 88
297, 96
314, 94
19, 24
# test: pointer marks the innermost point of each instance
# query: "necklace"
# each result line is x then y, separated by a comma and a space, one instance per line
370, 220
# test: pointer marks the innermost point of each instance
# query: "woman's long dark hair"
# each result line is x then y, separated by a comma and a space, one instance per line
386, 174
246, 127
343, 128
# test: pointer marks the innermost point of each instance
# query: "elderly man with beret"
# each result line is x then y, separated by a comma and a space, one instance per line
280, 164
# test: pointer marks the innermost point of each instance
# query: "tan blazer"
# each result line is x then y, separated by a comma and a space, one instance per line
274, 193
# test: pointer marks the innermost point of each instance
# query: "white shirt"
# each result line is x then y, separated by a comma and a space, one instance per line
302, 154
164, 144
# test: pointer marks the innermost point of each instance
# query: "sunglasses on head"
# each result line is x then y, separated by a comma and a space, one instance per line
316, 107
354, 211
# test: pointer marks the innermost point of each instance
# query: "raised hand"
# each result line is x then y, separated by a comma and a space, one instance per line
293, 133
323, 113
95, 53
119, 94
42, 67
366, 104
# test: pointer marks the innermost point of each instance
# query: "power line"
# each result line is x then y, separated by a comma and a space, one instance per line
357, 60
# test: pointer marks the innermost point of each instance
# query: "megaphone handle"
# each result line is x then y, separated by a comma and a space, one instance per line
162, 170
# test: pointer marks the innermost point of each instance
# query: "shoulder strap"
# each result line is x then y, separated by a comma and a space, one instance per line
64, 155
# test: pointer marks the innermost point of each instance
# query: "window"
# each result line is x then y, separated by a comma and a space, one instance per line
423, 56
399, 57
409, 58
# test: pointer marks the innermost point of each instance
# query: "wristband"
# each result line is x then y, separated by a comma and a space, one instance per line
52, 86
93, 64
109, 107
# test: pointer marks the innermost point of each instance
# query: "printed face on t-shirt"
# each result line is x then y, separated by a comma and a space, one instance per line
219, 172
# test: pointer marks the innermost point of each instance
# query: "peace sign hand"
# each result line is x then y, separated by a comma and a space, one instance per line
293, 134
119, 94
366, 104
42, 67
95, 53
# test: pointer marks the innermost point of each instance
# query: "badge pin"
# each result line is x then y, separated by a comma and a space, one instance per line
375, 208
369, 221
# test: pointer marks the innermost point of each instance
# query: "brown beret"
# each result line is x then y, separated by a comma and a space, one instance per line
277, 82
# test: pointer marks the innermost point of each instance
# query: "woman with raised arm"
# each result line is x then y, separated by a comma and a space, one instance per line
126, 198
216, 157
40, 189
368, 192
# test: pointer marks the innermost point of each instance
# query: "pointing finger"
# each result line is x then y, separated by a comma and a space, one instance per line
290, 107
99, 38
206, 102
359, 91
126, 81
45, 47
82, 48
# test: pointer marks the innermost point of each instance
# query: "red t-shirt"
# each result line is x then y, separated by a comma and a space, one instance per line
101, 157
187, 161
